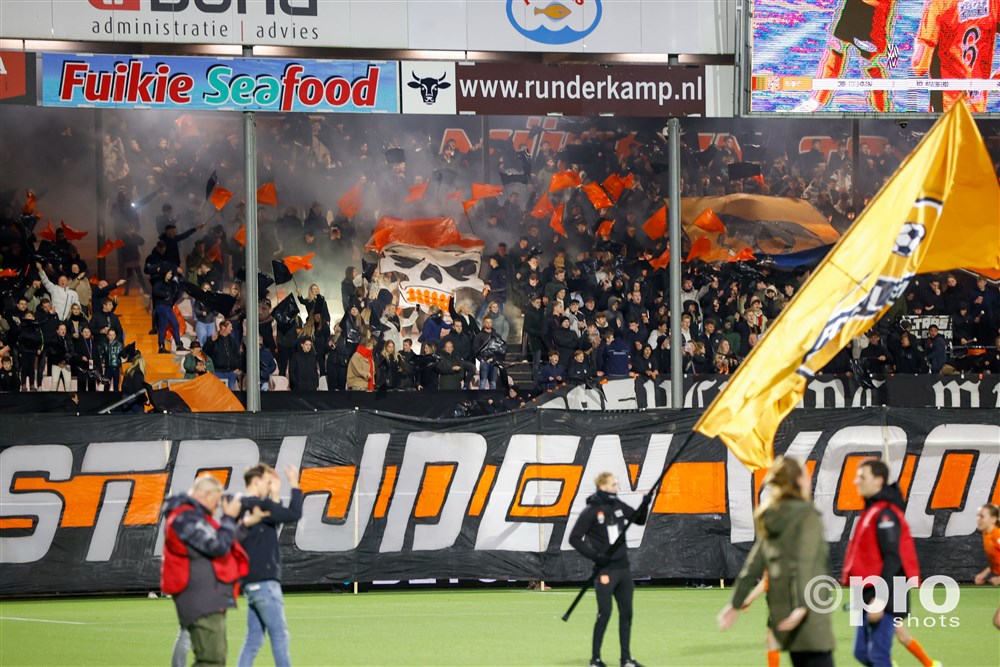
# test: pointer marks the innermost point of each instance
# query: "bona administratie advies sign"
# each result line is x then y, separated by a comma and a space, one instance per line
593, 26
70, 80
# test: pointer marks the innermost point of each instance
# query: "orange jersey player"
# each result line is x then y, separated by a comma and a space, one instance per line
865, 25
956, 40
988, 523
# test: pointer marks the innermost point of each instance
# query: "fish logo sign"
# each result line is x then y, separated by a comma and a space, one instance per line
429, 86
555, 21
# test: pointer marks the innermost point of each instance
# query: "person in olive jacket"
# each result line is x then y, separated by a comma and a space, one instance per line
790, 548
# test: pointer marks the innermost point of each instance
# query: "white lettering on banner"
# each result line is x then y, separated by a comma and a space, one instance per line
984, 440
695, 397
949, 394
606, 455
105, 457
467, 451
821, 387
496, 533
852, 440
193, 456
45, 506
865, 398
314, 534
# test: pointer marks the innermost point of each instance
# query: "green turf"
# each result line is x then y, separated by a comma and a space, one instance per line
467, 627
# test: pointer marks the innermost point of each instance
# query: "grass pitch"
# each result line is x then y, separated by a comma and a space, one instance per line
672, 626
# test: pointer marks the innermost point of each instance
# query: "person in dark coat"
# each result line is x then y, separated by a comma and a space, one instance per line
534, 331
450, 367
462, 342
593, 538
166, 289
303, 369
553, 373
316, 303
909, 359
172, 242
565, 340
876, 354
580, 370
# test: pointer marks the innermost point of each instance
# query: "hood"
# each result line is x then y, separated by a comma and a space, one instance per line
890, 493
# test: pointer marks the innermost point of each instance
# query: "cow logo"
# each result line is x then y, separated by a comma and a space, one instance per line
556, 21
429, 86
909, 239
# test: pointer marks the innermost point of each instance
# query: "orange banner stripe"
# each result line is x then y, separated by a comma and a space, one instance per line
385, 493
693, 488
338, 481
848, 498
82, 496
906, 476
482, 491
433, 490
570, 477
633, 474
221, 474
953, 482
12, 523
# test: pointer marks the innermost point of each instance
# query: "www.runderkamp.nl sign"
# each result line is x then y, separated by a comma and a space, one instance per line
246, 84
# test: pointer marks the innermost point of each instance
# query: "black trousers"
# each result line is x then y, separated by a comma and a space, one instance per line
615, 584
812, 658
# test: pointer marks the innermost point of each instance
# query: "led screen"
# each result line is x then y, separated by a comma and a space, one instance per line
882, 56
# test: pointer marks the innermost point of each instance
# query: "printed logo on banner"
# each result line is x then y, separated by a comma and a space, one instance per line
17, 77
428, 87
117, 5
556, 22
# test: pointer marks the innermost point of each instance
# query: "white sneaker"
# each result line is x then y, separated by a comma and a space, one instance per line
806, 106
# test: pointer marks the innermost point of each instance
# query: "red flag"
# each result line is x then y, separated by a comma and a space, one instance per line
656, 226
380, 237
118, 291
556, 222
215, 252
710, 222
565, 179
220, 197
70, 233
267, 195
456, 195
299, 262
543, 208
760, 179
629, 181
614, 185
597, 196
466, 205
661, 262
241, 235
94, 280
49, 234
351, 203
605, 228
29, 203
481, 191
8, 273
417, 192
745, 255
699, 248
108, 247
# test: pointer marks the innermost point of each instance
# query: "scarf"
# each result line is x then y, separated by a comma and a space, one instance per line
367, 354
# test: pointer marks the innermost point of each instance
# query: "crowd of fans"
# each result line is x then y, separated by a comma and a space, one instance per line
580, 305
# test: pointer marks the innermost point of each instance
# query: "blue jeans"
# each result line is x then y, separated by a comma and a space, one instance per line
873, 643
229, 377
488, 374
164, 316
203, 331
265, 612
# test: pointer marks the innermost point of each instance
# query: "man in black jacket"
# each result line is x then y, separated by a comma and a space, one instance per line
262, 586
225, 353
601, 522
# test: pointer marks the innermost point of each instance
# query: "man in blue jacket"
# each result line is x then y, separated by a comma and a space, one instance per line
262, 586
616, 357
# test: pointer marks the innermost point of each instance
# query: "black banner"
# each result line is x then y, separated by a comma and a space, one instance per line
401, 498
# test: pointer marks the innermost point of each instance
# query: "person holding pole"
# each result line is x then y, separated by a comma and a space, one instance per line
595, 535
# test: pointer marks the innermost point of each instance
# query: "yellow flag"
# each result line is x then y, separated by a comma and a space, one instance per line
940, 211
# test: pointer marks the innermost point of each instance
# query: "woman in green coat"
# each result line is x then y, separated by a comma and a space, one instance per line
790, 548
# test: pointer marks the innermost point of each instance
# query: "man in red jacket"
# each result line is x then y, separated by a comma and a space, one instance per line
202, 561
881, 547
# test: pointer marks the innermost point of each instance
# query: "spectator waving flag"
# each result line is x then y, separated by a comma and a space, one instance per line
241, 236
49, 234
351, 203
556, 222
267, 195
220, 197
299, 262
109, 247
70, 233
417, 192
482, 191
940, 211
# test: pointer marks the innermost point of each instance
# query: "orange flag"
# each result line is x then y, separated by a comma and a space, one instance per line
108, 247
565, 179
267, 195
605, 228
469, 203
543, 208
220, 197
745, 255
241, 234
215, 252
49, 234
710, 222
29, 203
614, 185
351, 203
481, 191
8, 273
417, 192
556, 222
70, 233
456, 195
597, 196
661, 262
656, 226
299, 262
699, 249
